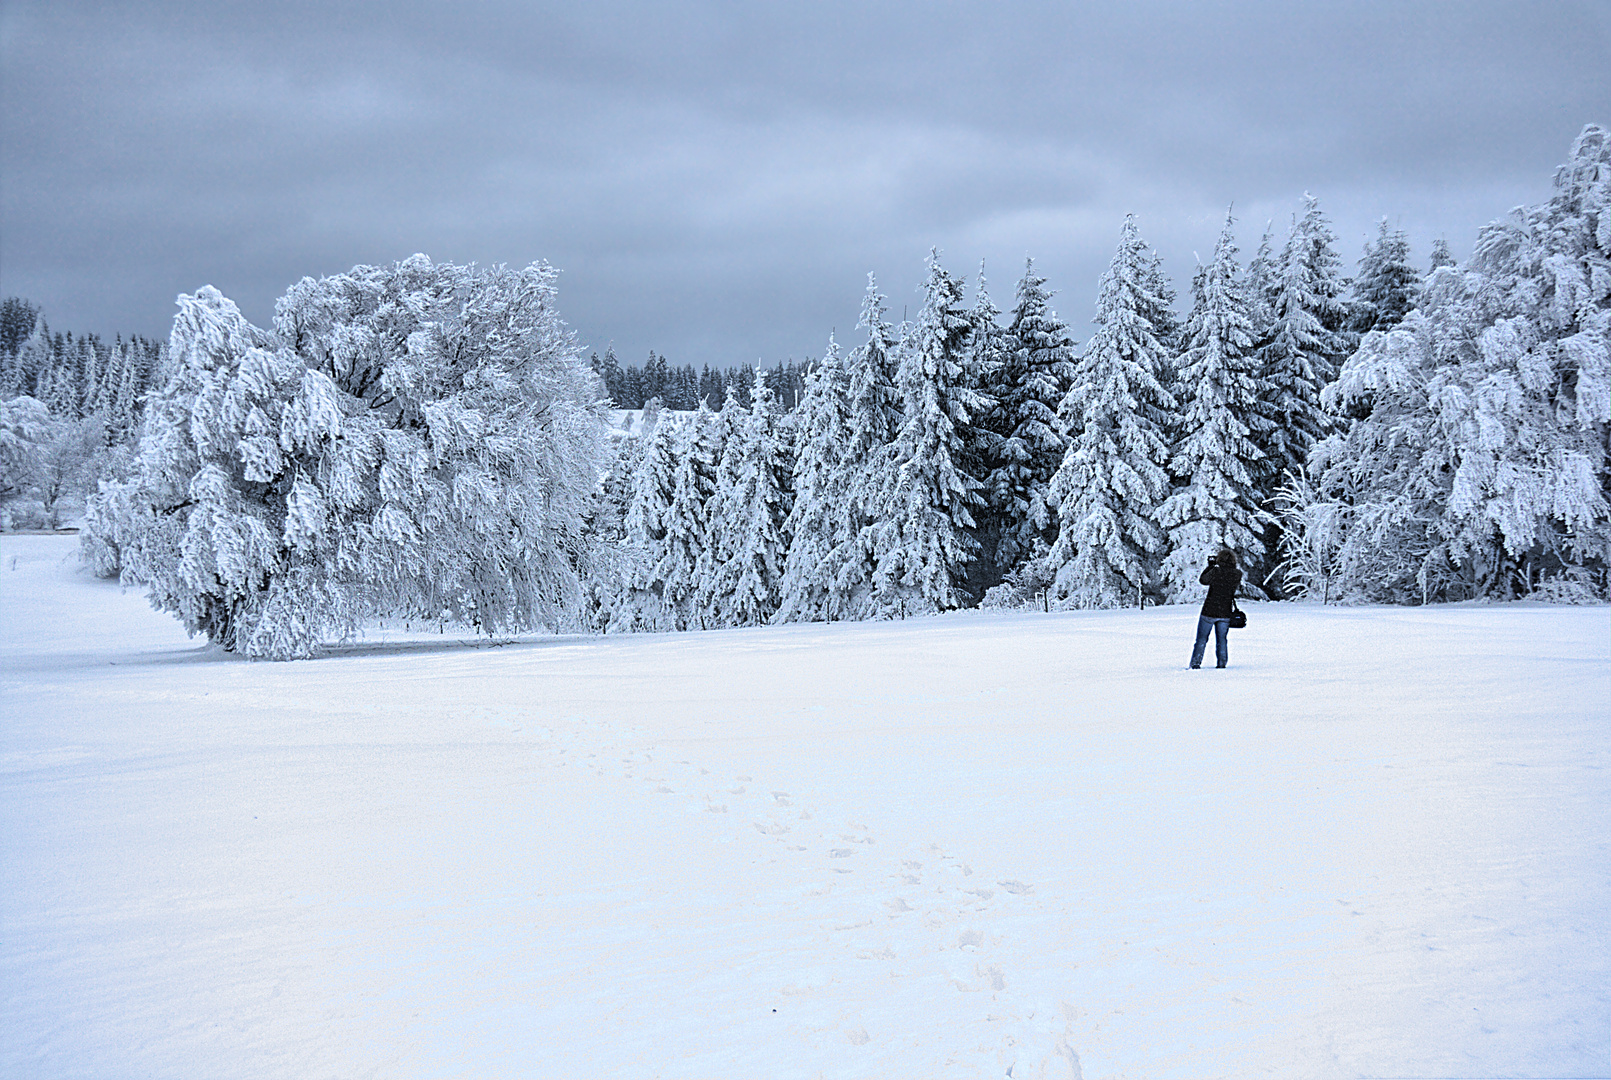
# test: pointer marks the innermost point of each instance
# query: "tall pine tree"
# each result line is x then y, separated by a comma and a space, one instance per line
1115, 474
686, 567
640, 606
925, 540
1306, 346
983, 372
1217, 460
1387, 286
1036, 376
748, 566
817, 523
875, 417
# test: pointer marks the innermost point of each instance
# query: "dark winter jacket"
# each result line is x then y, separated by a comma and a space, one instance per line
1222, 582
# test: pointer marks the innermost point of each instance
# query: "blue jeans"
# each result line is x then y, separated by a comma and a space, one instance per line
1222, 629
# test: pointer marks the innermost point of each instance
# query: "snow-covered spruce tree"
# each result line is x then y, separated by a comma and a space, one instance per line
1441, 256
688, 563
35, 357
1260, 287
1166, 324
864, 460
723, 431
417, 439
1114, 476
748, 568
1387, 287
1037, 374
1306, 345
639, 605
607, 564
817, 523
923, 538
1215, 503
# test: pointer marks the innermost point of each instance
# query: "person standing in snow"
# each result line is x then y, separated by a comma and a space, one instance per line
1222, 578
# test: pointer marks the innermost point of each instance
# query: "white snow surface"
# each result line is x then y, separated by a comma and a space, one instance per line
986, 844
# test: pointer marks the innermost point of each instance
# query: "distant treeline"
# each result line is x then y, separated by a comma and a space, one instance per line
70, 412
75, 378
684, 388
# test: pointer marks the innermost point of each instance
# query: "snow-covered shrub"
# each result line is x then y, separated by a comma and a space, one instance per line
24, 515
68, 463
43, 461
1312, 533
1573, 585
1030, 584
418, 439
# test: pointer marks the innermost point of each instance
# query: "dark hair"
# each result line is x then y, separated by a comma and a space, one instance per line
1226, 557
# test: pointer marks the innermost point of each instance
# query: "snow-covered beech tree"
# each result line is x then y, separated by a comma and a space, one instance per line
1314, 530
748, 568
25, 429
1114, 476
1516, 402
817, 523
414, 439
1304, 347
1387, 286
875, 416
1481, 451
68, 463
1036, 375
42, 458
1381, 486
1217, 459
924, 538
1532, 430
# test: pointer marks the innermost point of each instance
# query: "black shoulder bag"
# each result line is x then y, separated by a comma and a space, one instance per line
1238, 616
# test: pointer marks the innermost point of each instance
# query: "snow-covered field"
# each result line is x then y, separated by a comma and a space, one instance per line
1378, 845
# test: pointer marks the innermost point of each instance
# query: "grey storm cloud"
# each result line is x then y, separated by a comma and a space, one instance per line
715, 180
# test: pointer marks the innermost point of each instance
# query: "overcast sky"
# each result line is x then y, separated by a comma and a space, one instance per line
716, 180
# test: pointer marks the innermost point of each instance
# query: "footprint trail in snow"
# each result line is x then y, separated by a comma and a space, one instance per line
902, 930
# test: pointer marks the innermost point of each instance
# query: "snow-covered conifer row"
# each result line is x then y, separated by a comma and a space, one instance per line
1399, 436
424, 440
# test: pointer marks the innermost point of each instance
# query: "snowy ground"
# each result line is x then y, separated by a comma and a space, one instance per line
1378, 845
